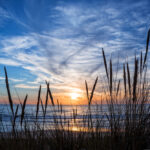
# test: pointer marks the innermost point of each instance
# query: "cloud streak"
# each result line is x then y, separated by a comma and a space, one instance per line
62, 41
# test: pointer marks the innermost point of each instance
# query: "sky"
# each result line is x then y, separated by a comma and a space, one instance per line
60, 41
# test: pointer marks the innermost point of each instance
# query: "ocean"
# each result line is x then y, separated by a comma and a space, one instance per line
76, 117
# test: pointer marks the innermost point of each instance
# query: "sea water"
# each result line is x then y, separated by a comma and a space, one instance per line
76, 117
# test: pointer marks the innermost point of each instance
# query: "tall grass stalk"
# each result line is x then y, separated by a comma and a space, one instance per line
23, 109
122, 123
38, 102
8, 92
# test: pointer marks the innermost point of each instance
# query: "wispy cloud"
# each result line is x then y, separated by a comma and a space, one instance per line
25, 86
62, 42
12, 79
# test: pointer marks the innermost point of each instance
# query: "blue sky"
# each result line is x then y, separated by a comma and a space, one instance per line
61, 41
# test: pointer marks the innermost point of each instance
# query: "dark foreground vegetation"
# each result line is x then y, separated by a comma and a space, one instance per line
128, 97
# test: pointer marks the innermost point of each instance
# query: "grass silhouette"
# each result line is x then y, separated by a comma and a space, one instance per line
128, 97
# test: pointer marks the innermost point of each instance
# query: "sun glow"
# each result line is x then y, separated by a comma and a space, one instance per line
74, 96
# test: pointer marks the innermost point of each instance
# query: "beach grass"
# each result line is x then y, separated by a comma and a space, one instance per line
128, 97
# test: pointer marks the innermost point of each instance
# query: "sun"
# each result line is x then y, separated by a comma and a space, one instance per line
74, 96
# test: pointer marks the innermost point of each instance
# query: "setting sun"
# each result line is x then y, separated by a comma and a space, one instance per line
74, 96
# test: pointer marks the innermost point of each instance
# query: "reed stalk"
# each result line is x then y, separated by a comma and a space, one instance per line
8, 92
38, 102
23, 109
